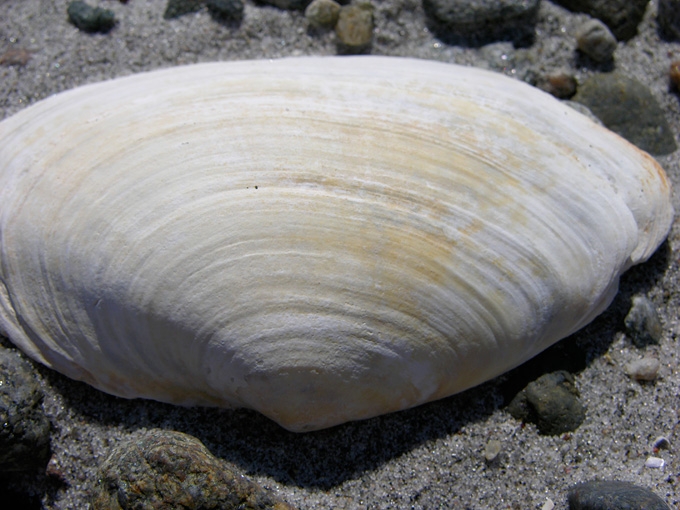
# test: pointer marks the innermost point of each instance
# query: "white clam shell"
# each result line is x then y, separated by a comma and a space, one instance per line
319, 239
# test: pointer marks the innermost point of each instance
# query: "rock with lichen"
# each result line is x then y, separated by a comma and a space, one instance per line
167, 469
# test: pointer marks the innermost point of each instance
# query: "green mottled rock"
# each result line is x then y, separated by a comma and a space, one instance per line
628, 108
355, 27
323, 13
177, 8
24, 428
90, 19
551, 403
171, 470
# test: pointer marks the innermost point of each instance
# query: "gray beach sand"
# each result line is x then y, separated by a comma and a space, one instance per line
431, 456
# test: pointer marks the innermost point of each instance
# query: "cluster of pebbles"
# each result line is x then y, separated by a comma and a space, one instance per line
144, 462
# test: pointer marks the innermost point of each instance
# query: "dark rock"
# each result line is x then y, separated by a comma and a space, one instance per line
90, 19
166, 469
613, 495
551, 402
642, 322
13, 499
355, 28
662, 443
668, 19
621, 16
288, 5
25, 430
595, 40
177, 8
628, 108
225, 10
483, 21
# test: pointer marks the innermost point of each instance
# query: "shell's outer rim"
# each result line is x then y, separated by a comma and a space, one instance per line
68, 346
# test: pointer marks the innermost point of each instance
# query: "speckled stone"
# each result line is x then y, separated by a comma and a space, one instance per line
323, 13
354, 29
595, 40
483, 20
621, 16
550, 402
642, 322
613, 495
628, 108
24, 428
90, 19
668, 19
161, 469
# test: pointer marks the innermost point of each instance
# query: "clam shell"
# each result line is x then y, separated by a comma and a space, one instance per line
319, 239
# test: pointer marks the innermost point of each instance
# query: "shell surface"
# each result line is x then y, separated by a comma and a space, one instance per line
319, 239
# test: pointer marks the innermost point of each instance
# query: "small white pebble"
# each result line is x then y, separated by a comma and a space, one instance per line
654, 462
644, 369
548, 505
493, 448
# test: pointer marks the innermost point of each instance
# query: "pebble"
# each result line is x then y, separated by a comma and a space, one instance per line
548, 505
551, 402
621, 16
674, 75
642, 322
561, 84
24, 428
613, 495
16, 57
90, 19
492, 449
323, 13
167, 469
668, 19
176, 8
595, 40
355, 27
655, 462
628, 108
483, 21
225, 10
644, 369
